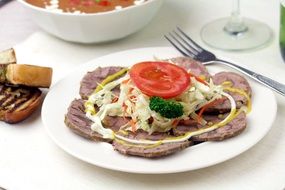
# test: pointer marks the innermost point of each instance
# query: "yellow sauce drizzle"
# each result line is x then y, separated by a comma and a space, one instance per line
203, 77
89, 106
158, 143
123, 132
243, 93
227, 83
110, 78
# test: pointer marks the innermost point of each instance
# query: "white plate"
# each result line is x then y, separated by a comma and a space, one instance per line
102, 154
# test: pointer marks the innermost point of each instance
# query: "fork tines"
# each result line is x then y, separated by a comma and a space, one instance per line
183, 43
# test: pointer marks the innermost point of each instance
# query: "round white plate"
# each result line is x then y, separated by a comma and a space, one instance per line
55, 106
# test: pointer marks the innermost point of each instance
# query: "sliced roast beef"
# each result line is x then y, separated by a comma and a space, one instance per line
115, 122
185, 126
236, 81
91, 80
76, 120
149, 151
195, 67
233, 128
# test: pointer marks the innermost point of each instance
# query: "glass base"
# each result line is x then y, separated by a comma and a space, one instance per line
257, 35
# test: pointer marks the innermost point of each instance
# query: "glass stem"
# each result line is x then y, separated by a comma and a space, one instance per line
235, 25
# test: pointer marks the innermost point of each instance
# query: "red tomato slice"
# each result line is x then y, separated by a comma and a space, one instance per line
161, 79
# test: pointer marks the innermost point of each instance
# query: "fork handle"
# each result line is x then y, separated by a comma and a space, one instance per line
274, 85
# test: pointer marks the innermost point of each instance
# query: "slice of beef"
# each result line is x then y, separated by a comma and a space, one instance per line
76, 120
149, 151
233, 128
238, 82
115, 122
185, 126
195, 67
91, 80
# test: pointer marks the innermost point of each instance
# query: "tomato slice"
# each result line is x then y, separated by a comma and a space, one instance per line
161, 79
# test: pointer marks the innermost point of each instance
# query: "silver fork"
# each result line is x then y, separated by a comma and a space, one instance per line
185, 45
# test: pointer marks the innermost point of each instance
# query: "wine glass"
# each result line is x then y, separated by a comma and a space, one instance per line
236, 33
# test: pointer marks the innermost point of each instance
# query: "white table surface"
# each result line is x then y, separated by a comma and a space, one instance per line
29, 159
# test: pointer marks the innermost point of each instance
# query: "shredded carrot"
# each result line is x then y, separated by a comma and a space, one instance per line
198, 79
202, 110
115, 99
175, 122
126, 81
124, 107
124, 110
130, 90
133, 125
132, 98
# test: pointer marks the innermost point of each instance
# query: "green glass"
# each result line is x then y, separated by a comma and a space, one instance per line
282, 30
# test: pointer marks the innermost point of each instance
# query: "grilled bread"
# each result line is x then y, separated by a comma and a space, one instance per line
17, 103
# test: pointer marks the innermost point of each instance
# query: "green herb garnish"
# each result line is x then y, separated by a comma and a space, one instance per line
166, 108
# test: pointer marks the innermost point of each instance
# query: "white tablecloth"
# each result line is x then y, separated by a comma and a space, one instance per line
29, 159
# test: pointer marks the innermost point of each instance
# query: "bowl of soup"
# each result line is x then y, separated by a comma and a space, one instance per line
92, 21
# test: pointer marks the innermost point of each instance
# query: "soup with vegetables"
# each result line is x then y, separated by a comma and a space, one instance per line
84, 6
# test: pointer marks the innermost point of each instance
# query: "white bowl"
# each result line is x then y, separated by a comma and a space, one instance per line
97, 27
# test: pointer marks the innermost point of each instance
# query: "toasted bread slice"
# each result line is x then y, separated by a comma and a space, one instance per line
17, 103
28, 75
8, 56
